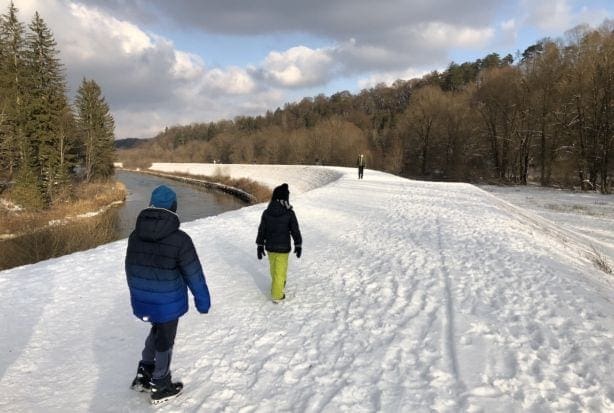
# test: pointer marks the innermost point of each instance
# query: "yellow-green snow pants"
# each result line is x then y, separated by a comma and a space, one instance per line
279, 267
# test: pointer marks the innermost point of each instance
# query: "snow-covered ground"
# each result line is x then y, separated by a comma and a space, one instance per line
588, 213
302, 178
409, 297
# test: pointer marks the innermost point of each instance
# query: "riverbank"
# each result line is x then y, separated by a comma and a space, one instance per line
301, 178
89, 200
193, 201
85, 220
245, 189
96, 198
108, 215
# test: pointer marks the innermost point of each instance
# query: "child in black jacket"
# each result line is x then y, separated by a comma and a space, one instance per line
277, 224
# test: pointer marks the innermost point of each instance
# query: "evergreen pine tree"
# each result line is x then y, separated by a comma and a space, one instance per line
13, 151
18, 149
48, 111
96, 127
5, 150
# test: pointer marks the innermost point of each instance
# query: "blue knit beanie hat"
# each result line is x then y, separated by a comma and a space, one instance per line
164, 197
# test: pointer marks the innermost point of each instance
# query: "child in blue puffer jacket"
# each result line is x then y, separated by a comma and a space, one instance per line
161, 264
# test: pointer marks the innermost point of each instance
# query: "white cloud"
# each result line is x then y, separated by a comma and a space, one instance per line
234, 80
439, 34
141, 123
365, 53
509, 33
147, 81
127, 36
187, 66
193, 107
508, 24
387, 35
593, 17
298, 66
390, 77
553, 15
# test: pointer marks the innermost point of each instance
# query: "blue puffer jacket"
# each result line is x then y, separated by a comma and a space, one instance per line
161, 264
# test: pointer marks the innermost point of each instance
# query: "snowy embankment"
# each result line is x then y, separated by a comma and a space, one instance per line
410, 296
302, 178
589, 216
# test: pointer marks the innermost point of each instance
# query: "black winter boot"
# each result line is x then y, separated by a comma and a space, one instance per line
142, 381
164, 389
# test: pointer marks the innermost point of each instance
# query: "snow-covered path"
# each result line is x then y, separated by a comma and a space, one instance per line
410, 297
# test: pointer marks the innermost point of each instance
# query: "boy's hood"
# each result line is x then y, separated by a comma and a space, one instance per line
154, 224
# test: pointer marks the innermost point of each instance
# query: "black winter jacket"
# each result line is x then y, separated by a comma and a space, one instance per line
277, 224
161, 264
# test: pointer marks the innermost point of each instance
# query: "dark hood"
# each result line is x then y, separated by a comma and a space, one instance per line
153, 224
281, 192
277, 208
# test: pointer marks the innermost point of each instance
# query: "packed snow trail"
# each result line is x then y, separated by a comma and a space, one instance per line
410, 296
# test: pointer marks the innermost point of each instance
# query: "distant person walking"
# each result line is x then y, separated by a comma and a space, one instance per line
161, 264
361, 162
277, 224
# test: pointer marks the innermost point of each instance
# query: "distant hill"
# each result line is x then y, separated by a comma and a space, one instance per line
129, 143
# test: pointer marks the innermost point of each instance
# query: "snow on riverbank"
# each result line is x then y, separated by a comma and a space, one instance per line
588, 213
410, 296
302, 178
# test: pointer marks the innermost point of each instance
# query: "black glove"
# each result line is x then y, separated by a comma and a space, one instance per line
298, 251
261, 252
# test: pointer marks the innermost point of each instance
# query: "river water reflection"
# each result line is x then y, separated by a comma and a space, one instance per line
193, 202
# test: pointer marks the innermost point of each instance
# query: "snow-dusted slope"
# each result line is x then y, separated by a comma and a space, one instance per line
303, 178
410, 297
585, 216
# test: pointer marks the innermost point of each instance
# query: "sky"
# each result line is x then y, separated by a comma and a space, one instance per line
162, 63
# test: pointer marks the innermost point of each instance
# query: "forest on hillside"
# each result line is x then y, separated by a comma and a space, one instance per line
546, 115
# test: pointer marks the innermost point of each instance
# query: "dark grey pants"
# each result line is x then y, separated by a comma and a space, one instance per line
159, 347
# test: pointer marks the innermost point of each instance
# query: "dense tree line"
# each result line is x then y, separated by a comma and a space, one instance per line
45, 144
548, 117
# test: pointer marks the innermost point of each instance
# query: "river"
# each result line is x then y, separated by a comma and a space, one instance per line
193, 202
